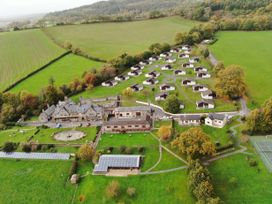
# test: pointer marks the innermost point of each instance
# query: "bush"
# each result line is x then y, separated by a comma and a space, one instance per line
128, 150
123, 149
44, 148
86, 152
113, 189
39, 147
110, 149
26, 148
131, 191
253, 163
9, 147
141, 149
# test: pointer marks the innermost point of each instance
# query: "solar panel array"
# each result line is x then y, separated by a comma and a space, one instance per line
117, 161
41, 156
264, 148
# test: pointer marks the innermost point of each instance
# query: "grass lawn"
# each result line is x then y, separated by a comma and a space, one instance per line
35, 182
109, 40
46, 135
252, 186
16, 134
63, 71
134, 140
167, 188
23, 52
168, 161
251, 50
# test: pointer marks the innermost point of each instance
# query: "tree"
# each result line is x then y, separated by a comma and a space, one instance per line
26, 148
165, 132
89, 79
113, 189
131, 191
172, 104
9, 147
51, 95
128, 92
220, 66
230, 82
203, 190
259, 120
194, 143
86, 152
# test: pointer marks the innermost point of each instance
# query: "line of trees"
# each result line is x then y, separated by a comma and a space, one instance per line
196, 146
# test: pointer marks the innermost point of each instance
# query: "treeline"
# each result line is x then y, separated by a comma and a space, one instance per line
197, 146
233, 14
117, 11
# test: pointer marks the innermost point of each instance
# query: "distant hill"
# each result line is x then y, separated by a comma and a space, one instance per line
118, 10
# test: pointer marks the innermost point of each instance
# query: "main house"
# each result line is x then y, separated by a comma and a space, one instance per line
216, 120
129, 119
205, 104
68, 111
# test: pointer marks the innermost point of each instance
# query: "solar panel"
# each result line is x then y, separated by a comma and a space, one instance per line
42, 156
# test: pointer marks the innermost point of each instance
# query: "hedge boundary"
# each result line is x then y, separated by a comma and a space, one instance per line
36, 71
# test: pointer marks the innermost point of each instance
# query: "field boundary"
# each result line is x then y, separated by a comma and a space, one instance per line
36, 71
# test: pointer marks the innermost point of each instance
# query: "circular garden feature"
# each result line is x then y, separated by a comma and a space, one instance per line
69, 135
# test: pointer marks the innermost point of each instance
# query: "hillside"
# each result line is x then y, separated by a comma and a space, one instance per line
63, 71
24, 52
109, 40
121, 9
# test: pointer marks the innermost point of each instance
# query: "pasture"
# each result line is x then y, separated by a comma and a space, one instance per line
63, 71
24, 181
251, 50
109, 40
23, 52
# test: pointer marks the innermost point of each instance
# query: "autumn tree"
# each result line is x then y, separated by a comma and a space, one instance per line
113, 189
86, 152
165, 132
194, 143
219, 67
51, 95
172, 104
230, 82
128, 92
259, 120
89, 79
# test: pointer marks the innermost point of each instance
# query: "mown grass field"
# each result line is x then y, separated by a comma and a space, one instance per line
63, 71
23, 52
109, 40
251, 50
35, 182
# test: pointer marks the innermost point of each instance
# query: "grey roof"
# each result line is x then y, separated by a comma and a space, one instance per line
49, 111
207, 92
117, 161
133, 108
43, 156
208, 101
217, 116
190, 117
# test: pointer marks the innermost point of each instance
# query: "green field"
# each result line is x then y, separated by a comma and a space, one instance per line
109, 40
252, 186
40, 182
23, 52
251, 50
167, 188
63, 72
